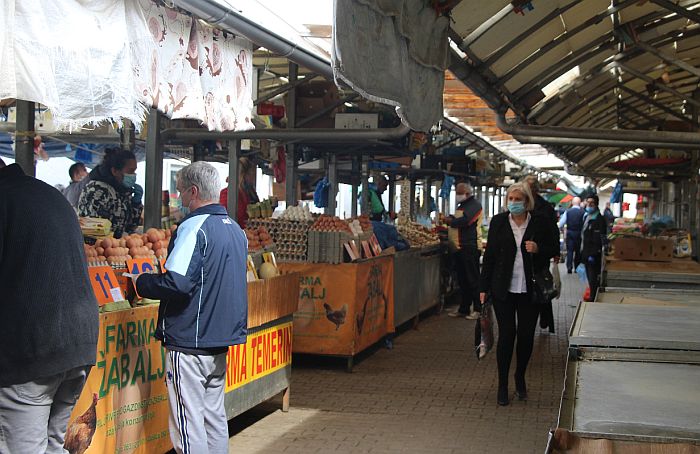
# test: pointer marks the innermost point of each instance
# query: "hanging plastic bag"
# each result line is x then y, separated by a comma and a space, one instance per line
483, 333
557, 280
321, 193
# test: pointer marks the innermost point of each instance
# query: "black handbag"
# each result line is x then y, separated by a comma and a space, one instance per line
543, 290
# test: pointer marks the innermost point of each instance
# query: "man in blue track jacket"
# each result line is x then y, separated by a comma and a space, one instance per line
203, 310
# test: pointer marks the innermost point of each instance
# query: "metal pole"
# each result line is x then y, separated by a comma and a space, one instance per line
694, 190
364, 203
153, 201
24, 139
291, 182
412, 200
392, 193
234, 152
355, 180
333, 180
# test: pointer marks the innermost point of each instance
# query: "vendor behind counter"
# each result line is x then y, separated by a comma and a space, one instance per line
246, 190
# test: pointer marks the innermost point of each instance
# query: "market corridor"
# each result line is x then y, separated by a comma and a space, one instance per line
427, 395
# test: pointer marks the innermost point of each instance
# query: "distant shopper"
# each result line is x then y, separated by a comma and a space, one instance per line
203, 310
593, 238
573, 221
246, 190
48, 314
377, 211
519, 243
78, 180
112, 192
463, 238
608, 215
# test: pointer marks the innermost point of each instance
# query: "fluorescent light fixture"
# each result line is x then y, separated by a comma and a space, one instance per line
566, 78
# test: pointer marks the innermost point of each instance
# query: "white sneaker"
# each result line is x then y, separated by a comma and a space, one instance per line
472, 316
456, 313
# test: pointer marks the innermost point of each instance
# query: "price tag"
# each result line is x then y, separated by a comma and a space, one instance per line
104, 283
140, 266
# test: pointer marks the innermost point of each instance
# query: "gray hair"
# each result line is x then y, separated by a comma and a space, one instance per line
202, 175
524, 189
466, 186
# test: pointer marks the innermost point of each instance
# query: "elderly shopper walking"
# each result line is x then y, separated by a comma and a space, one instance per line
520, 243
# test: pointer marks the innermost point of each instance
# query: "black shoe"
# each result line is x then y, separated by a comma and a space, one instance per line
520, 388
503, 396
569, 271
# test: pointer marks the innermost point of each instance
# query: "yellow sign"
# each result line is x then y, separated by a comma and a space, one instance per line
125, 395
264, 352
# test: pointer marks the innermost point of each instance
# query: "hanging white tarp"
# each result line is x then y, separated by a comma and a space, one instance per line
394, 52
111, 59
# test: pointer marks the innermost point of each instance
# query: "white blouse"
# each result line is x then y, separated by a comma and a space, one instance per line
518, 283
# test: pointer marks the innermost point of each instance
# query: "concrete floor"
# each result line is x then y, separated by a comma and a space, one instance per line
427, 395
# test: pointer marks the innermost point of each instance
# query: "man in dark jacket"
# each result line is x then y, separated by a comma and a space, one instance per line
203, 311
48, 314
573, 220
593, 238
463, 236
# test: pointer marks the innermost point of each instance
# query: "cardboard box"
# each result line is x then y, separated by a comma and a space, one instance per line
644, 249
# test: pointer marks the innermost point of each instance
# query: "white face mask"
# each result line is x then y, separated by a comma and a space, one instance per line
460, 198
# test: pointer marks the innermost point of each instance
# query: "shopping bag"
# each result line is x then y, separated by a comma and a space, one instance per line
483, 333
557, 280
581, 272
587, 294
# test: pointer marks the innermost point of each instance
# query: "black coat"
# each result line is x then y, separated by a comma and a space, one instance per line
499, 257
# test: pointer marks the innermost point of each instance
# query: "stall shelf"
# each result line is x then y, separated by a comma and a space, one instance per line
343, 309
631, 326
127, 385
629, 400
677, 274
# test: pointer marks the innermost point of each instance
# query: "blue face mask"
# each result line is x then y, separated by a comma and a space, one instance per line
516, 207
184, 210
590, 210
129, 180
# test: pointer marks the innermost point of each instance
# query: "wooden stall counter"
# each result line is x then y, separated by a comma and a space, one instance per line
344, 308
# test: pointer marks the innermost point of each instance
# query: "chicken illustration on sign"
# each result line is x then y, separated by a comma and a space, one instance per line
336, 317
81, 430
375, 292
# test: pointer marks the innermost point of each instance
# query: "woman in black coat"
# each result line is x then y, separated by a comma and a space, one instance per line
519, 242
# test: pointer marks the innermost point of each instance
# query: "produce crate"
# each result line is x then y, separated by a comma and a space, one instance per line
273, 298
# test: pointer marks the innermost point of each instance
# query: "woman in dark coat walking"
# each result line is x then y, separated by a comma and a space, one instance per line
519, 244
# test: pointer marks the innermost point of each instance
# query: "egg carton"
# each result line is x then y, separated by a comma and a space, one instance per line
327, 247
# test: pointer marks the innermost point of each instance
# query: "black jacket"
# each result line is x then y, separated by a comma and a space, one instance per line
499, 257
469, 212
593, 235
48, 312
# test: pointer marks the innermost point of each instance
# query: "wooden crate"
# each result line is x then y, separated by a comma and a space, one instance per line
270, 299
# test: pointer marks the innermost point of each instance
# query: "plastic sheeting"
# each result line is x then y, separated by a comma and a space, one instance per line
394, 52
111, 59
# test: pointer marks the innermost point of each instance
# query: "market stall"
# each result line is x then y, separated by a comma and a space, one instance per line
343, 308
676, 274
650, 296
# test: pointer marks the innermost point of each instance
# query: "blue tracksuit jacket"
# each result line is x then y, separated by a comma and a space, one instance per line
204, 300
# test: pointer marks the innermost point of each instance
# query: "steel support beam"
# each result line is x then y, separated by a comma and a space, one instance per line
290, 193
284, 88
333, 180
153, 200
392, 193
650, 101
669, 59
234, 154
661, 87
692, 15
24, 137
355, 178
326, 110
364, 204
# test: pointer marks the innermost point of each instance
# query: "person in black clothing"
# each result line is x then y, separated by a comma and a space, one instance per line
519, 244
48, 315
546, 211
463, 242
573, 220
608, 214
593, 238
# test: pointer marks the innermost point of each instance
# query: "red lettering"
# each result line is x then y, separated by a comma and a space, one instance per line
273, 348
230, 367
287, 344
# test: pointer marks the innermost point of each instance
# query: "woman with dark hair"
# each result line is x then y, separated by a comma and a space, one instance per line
112, 192
520, 243
593, 237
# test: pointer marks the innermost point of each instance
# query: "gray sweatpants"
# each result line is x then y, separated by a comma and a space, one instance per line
34, 415
197, 422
